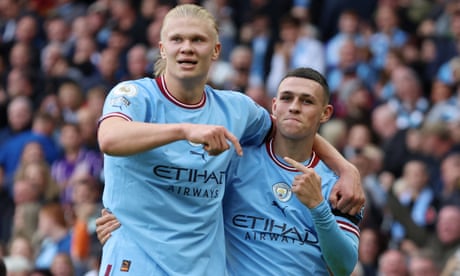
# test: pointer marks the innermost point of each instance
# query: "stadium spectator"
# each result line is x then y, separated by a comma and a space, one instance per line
42, 131
413, 190
387, 35
370, 247
19, 115
138, 65
393, 262
260, 37
443, 242
294, 50
422, 263
56, 237
348, 28
75, 159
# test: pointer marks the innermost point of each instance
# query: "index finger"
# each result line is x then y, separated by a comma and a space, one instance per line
295, 164
232, 138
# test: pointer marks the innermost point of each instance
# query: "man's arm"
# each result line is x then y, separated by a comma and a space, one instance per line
348, 194
331, 237
117, 136
333, 232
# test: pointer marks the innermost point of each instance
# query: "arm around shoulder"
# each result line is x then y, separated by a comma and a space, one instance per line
348, 194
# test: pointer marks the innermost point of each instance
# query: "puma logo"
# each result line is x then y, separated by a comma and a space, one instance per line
274, 203
202, 154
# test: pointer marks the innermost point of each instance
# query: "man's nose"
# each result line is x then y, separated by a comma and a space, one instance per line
186, 46
294, 106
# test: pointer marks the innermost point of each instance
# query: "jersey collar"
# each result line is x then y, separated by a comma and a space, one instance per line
311, 163
164, 90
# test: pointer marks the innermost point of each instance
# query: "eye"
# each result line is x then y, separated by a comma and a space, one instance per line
285, 97
176, 39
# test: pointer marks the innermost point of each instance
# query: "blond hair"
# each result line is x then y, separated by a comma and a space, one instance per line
180, 11
49, 189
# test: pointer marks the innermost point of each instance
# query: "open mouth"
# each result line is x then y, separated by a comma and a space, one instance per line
185, 62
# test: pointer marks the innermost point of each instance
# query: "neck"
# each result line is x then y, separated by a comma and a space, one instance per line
188, 91
297, 149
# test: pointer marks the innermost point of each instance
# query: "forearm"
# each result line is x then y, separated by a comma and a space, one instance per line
339, 247
331, 156
119, 137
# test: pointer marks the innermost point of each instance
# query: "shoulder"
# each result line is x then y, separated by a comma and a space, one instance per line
229, 95
327, 174
20, 139
223, 92
252, 155
131, 88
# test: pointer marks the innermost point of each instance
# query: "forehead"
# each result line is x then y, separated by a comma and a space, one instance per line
299, 85
187, 25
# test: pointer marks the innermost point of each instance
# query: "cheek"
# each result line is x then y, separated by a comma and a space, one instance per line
279, 110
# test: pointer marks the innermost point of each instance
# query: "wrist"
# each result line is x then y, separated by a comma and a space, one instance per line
320, 209
346, 168
314, 204
182, 130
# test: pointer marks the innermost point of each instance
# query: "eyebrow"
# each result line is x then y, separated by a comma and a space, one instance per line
301, 94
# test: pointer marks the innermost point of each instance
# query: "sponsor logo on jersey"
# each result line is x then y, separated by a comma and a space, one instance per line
125, 264
194, 191
282, 209
201, 154
189, 174
195, 182
120, 102
268, 229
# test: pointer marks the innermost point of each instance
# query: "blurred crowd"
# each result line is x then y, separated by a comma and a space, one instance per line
393, 68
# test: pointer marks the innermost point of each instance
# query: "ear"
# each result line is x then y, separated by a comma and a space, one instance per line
216, 51
327, 113
274, 105
162, 50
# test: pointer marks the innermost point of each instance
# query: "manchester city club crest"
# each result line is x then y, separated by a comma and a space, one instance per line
282, 191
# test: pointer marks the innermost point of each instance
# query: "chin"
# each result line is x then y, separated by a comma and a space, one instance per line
293, 135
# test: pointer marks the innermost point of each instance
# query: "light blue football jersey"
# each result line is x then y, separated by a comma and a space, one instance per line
268, 230
168, 199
